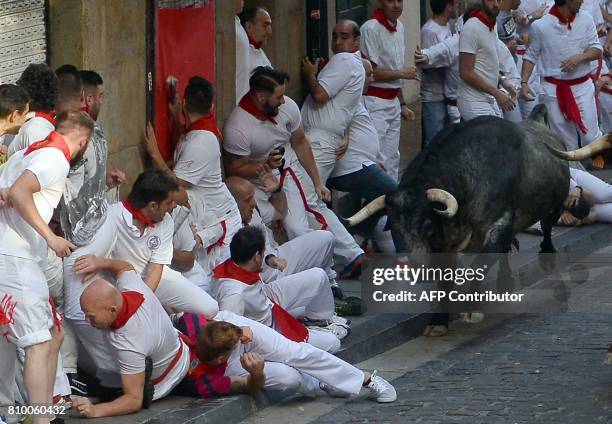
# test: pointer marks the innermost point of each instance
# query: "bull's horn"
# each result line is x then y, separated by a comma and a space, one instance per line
444, 197
598, 145
367, 211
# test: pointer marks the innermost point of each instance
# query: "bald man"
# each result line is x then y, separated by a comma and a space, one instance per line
310, 250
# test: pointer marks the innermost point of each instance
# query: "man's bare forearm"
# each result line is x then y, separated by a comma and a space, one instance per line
123, 405
387, 75
526, 70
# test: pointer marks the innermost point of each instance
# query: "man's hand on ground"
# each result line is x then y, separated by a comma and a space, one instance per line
84, 406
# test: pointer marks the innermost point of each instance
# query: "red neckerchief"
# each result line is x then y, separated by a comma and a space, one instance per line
566, 20
479, 14
379, 15
55, 140
136, 213
85, 109
229, 269
49, 116
249, 105
131, 302
254, 43
206, 123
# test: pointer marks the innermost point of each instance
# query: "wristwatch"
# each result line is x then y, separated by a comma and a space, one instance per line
530, 18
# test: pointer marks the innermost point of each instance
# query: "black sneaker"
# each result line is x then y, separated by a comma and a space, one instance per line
149, 388
78, 387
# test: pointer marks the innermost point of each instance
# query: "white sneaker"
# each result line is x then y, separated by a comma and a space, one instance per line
332, 391
337, 330
336, 319
381, 389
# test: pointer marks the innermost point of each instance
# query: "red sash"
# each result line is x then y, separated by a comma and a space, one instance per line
131, 302
383, 93
379, 15
562, 19
206, 123
567, 101
317, 215
54, 140
221, 239
136, 213
248, 105
482, 17
286, 324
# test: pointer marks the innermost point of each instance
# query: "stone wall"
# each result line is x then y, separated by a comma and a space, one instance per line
109, 37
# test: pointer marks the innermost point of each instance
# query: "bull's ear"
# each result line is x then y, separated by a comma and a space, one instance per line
539, 114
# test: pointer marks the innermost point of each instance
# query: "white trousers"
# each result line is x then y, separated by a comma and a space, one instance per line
307, 294
534, 83
605, 112
346, 248
290, 365
386, 115
310, 250
585, 99
470, 109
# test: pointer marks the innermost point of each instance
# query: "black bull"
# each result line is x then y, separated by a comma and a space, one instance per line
476, 185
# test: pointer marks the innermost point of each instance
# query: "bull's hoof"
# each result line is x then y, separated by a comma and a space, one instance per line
473, 317
435, 331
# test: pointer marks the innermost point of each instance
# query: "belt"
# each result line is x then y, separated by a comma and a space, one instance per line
567, 101
383, 93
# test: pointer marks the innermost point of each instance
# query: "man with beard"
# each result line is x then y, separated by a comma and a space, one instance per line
479, 65
335, 94
31, 186
563, 44
383, 43
266, 127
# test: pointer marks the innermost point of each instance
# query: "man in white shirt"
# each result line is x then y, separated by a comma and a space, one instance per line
563, 44
31, 186
266, 127
307, 295
42, 85
383, 43
433, 101
197, 169
202, 359
143, 232
242, 54
258, 27
335, 93
478, 93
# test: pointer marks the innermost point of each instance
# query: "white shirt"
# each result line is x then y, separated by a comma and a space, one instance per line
153, 246
184, 240
342, 79
148, 333
257, 57
197, 160
243, 299
386, 49
526, 8
363, 147
551, 43
245, 135
593, 8
432, 82
17, 237
34, 129
242, 60
445, 54
477, 39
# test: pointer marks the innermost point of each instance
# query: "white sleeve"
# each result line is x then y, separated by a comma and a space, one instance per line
335, 76
428, 38
129, 361
295, 117
592, 37
163, 254
235, 141
468, 40
507, 66
369, 45
48, 165
183, 237
535, 44
444, 53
